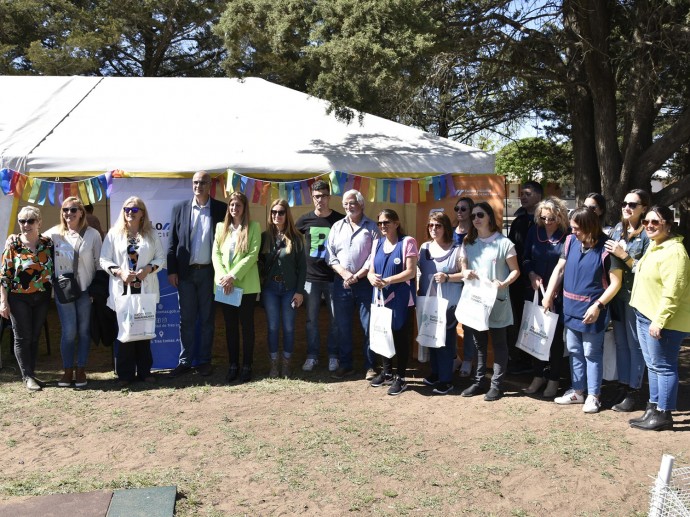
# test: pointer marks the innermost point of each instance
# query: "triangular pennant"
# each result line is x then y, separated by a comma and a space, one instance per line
51, 193
6, 176
28, 186
96, 187
393, 191
407, 188
35, 187
43, 192
265, 191
91, 199
258, 189
83, 194
357, 183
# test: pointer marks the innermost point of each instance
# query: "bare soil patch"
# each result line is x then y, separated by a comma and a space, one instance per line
313, 446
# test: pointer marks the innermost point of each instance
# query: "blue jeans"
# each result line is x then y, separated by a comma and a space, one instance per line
629, 359
314, 290
196, 300
442, 359
277, 303
345, 301
586, 360
661, 356
75, 320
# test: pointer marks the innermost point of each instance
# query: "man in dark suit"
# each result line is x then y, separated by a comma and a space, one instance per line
190, 270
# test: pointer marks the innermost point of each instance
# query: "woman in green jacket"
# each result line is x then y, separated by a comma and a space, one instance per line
235, 254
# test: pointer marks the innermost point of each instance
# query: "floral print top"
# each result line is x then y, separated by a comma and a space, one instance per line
25, 271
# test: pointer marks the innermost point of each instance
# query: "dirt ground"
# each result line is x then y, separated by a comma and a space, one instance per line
314, 446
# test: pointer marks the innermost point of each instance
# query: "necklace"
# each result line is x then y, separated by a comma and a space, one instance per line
549, 239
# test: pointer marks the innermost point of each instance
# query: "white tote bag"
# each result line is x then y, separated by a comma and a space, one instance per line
537, 329
476, 301
432, 319
136, 317
381, 328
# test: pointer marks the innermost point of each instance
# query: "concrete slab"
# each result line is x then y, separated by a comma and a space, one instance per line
144, 502
89, 504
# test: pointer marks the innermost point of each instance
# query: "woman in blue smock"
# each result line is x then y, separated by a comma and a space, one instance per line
393, 270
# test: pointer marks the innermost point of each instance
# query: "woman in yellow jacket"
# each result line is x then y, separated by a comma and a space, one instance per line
235, 254
661, 298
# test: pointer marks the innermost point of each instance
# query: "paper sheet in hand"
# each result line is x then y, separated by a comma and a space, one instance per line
234, 298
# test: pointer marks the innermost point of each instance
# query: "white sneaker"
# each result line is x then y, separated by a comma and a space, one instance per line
570, 397
592, 404
333, 364
309, 365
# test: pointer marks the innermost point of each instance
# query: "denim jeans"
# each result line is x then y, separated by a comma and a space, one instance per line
75, 320
442, 359
277, 303
28, 314
629, 359
314, 290
196, 301
661, 356
345, 301
586, 360
499, 341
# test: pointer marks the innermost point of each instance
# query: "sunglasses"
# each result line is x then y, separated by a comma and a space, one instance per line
479, 215
460, 208
632, 205
383, 223
645, 222
70, 210
277, 212
132, 209
434, 225
547, 219
26, 221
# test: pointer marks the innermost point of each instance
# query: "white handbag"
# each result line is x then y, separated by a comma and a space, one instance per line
136, 317
476, 302
381, 327
537, 329
432, 318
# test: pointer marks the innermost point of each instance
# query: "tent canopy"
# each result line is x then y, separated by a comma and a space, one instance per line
87, 125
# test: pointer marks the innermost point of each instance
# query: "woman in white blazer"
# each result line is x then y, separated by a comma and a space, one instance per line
131, 254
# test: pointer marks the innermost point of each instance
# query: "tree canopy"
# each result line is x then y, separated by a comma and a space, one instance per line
99, 37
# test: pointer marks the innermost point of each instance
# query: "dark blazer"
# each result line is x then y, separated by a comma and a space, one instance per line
180, 239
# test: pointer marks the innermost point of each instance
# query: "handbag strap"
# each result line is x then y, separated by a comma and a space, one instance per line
75, 262
269, 265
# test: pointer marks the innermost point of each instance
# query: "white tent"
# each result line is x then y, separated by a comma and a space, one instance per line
80, 126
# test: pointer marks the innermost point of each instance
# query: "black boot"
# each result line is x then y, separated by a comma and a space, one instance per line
628, 403
617, 396
659, 421
648, 412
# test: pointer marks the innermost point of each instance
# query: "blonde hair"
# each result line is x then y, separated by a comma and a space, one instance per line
292, 236
557, 207
72, 200
145, 227
242, 244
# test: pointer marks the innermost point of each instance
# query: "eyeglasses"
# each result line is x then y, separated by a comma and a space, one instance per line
593, 208
632, 205
479, 215
547, 219
278, 212
70, 210
460, 208
383, 223
205, 182
434, 225
645, 222
132, 209
26, 221
318, 197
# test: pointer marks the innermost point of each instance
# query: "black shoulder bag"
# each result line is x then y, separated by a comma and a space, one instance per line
66, 287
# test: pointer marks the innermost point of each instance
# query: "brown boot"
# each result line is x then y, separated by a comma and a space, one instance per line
66, 379
80, 381
273, 374
285, 368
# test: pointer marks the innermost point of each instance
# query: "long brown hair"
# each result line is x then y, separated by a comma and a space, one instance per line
444, 221
493, 225
292, 236
242, 244
392, 215
645, 201
589, 223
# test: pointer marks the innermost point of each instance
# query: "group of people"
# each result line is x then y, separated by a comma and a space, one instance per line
636, 274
